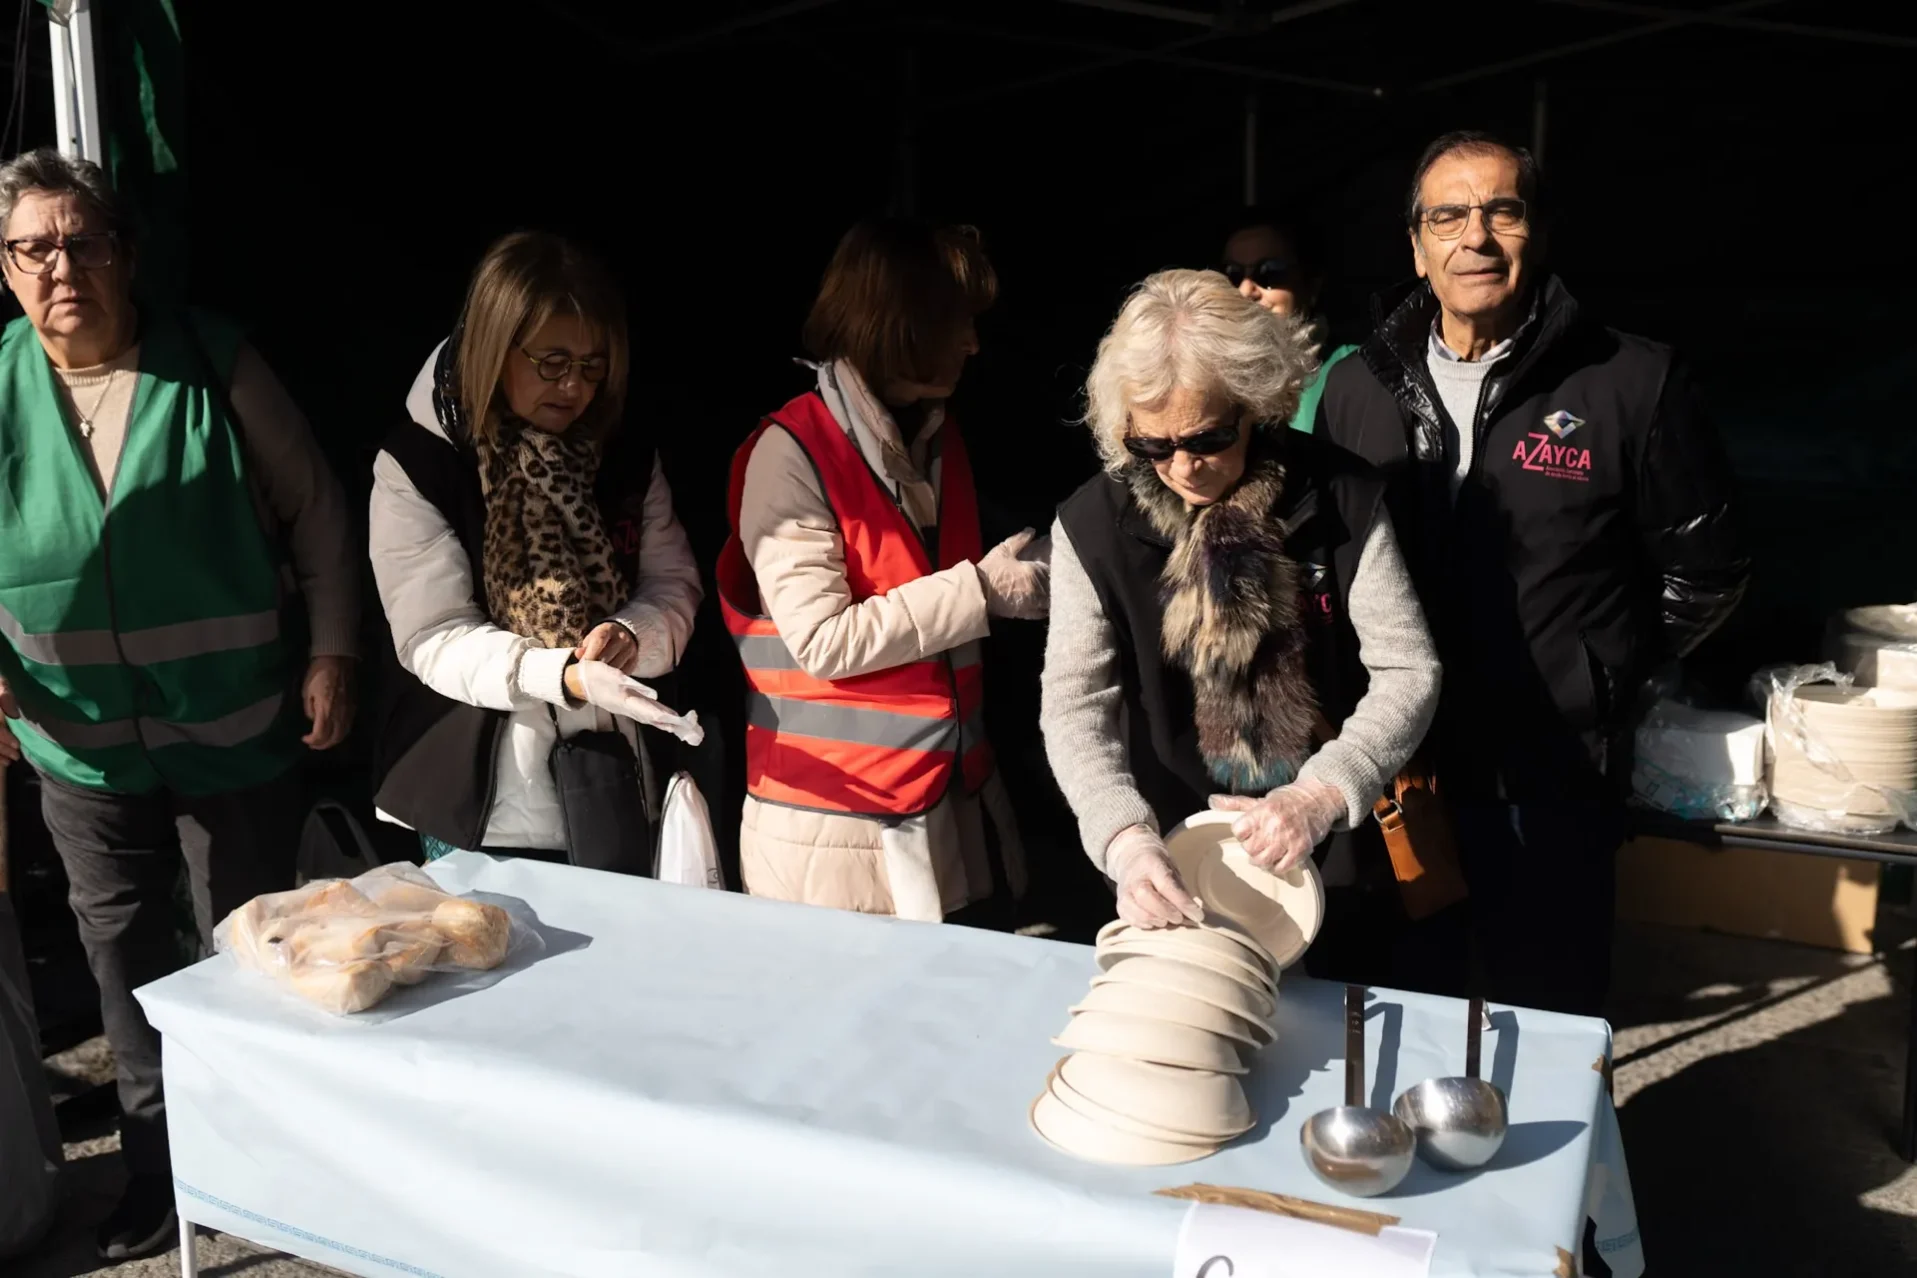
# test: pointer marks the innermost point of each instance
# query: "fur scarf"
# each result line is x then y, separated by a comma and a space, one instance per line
1234, 621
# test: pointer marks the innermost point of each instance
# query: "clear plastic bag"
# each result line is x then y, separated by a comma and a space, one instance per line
1702, 765
1845, 803
343, 945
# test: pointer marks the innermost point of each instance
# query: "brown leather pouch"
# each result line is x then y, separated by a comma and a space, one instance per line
1422, 843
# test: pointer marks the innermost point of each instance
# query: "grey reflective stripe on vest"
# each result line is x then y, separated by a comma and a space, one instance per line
233, 729
765, 652
768, 652
140, 647
846, 723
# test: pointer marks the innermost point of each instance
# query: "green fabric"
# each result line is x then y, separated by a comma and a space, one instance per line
141, 633
1306, 418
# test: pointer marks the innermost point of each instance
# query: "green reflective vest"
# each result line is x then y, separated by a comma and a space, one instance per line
140, 634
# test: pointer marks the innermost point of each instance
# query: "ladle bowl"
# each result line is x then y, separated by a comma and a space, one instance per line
1358, 1151
1459, 1123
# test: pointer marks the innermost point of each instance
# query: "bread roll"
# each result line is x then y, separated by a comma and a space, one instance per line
343, 987
476, 934
410, 949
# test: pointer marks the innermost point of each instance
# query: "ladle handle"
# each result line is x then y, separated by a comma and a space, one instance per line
1474, 1038
1355, 1045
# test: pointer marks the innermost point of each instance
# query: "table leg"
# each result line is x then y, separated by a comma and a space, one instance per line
1907, 1143
189, 1250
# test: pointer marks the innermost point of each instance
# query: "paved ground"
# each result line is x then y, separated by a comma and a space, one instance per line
1759, 1086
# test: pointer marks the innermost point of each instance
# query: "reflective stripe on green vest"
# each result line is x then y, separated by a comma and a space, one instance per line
140, 635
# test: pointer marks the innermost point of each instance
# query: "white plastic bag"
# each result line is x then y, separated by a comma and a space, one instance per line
688, 852
1700, 764
344, 945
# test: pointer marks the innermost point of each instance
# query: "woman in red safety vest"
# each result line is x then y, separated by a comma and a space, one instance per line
856, 590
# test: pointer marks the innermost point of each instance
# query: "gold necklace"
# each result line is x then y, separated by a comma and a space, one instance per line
86, 418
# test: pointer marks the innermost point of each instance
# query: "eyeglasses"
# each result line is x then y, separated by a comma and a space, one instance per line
1272, 272
554, 367
1447, 221
87, 252
1204, 443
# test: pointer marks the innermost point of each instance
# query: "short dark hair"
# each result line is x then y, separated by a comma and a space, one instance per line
1300, 231
895, 291
1472, 142
47, 170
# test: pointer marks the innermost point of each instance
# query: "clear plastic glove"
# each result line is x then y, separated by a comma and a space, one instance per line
599, 684
1016, 576
1282, 828
1150, 893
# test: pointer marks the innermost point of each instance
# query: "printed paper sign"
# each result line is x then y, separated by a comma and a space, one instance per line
1236, 1242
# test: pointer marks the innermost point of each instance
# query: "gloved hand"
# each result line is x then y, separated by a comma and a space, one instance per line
1016, 576
599, 684
1282, 828
1150, 893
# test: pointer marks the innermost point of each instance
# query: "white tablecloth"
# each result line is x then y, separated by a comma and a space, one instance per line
697, 1083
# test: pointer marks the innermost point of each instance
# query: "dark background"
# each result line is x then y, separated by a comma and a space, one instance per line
1728, 184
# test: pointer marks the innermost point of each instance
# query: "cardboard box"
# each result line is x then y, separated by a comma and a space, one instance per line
1785, 896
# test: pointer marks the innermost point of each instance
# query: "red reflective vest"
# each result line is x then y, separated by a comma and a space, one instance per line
881, 744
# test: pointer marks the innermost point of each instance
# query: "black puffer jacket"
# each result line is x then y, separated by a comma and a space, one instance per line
1595, 535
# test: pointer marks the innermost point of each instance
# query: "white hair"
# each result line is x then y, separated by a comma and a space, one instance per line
1192, 329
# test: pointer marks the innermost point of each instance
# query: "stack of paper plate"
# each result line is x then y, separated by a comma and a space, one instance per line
1173, 1015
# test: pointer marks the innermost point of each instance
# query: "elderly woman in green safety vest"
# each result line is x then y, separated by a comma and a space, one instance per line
150, 468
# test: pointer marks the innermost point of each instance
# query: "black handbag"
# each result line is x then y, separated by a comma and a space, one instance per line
601, 803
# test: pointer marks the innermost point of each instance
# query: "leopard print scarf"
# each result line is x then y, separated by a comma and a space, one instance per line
550, 569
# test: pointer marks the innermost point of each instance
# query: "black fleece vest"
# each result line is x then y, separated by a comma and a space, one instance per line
435, 760
1331, 499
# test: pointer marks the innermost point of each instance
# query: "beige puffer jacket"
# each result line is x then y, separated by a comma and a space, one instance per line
922, 867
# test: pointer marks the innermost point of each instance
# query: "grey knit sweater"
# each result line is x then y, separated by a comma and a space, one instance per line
1081, 699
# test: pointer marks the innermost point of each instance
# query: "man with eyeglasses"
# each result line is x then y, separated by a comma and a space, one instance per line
1569, 518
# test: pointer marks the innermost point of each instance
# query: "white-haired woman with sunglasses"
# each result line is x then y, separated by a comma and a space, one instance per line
532, 571
151, 469
1232, 624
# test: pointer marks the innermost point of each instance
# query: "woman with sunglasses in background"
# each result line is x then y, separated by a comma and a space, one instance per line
1232, 624
1273, 258
857, 589
530, 565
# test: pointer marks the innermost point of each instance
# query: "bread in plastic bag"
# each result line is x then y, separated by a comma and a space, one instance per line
343, 945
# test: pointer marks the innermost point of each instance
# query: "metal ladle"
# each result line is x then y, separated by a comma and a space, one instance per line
1354, 1148
1460, 1122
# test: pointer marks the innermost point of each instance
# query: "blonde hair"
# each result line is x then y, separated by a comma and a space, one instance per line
524, 280
1192, 329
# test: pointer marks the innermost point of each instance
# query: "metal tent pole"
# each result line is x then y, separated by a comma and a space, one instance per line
76, 84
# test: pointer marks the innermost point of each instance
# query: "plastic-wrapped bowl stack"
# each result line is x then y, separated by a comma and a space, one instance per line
1174, 1016
1844, 759
1877, 644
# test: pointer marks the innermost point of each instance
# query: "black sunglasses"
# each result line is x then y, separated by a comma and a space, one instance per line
1272, 272
1204, 443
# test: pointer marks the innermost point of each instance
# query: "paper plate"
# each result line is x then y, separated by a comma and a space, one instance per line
1142, 1000
1216, 933
1239, 967
1182, 1100
1283, 912
1229, 1126
1235, 997
1070, 1132
1140, 1038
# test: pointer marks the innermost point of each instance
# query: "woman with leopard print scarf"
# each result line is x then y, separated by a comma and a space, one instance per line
528, 558
1232, 624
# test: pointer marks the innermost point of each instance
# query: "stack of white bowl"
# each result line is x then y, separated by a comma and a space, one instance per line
1158, 1045
1861, 763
